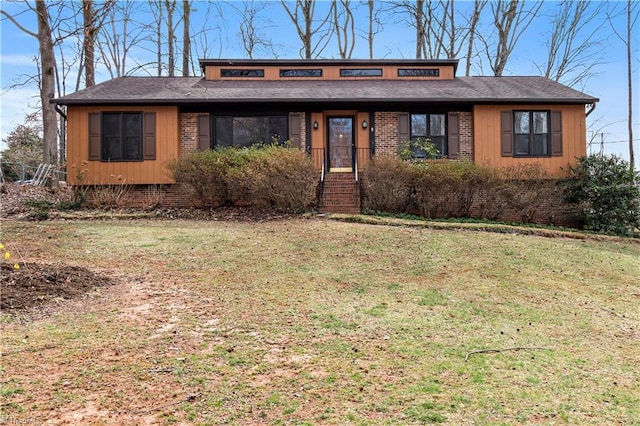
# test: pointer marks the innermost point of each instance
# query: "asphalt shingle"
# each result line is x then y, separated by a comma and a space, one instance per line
188, 90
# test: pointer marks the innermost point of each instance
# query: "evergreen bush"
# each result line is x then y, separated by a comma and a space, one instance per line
606, 193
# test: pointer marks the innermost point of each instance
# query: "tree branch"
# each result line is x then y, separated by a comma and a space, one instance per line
517, 348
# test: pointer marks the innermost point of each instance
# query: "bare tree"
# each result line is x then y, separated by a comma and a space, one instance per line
252, 28
88, 15
170, 6
213, 31
437, 34
631, 14
375, 25
478, 5
47, 77
186, 37
120, 33
302, 16
345, 28
510, 19
574, 46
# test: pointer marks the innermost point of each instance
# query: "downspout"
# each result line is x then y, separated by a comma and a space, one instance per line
63, 137
61, 112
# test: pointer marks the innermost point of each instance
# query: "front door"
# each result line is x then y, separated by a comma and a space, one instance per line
341, 140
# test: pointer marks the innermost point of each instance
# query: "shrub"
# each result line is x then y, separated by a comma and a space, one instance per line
207, 173
606, 193
387, 184
282, 178
528, 188
273, 176
417, 148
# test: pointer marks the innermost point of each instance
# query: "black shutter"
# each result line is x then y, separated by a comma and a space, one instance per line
404, 130
556, 133
453, 135
149, 136
295, 130
204, 132
94, 136
506, 126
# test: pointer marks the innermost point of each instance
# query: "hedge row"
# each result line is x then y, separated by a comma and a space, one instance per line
445, 189
268, 176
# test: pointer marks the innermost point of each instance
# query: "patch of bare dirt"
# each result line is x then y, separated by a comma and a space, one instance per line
34, 285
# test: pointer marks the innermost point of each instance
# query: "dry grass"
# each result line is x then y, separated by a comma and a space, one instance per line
309, 321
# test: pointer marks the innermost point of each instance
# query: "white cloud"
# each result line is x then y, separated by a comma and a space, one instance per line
14, 105
17, 60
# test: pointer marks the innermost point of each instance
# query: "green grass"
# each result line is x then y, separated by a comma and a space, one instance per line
307, 321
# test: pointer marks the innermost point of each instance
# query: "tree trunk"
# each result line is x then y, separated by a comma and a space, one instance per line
47, 84
171, 63
88, 42
420, 31
186, 37
478, 5
630, 87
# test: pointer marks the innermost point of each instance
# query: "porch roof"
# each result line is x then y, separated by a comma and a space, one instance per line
197, 90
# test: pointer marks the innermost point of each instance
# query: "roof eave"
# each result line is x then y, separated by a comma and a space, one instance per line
174, 101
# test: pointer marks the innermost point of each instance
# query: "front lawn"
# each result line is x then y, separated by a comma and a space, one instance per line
312, 321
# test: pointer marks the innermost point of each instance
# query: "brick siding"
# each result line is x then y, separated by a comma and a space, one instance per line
465, 121
188, 123
386, 133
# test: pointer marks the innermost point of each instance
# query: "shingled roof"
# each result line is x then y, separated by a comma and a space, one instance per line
197, 90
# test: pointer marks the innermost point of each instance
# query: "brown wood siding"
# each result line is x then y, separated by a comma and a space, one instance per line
362, 139
317, 139
389, 72
487, 137
97, 172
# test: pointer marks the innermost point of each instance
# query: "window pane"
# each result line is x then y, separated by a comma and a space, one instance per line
540, 122
247, 131
132, 134
521, 123
436, 123
540, 145
301, 72
278, 129
438, 142
111, 144
418, 125
132, 148
224, 131
242, 73
362, 72
418, 72
522, 144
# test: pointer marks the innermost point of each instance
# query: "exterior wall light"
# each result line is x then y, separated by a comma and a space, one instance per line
364, 124
315, 124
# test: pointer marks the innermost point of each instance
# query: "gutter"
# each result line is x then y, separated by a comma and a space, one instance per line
61, 112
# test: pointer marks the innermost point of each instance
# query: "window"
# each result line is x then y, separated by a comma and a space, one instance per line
418, 72
432, 127
361, 72
531, 133
249, 130
241, 73
121, 136
301, 72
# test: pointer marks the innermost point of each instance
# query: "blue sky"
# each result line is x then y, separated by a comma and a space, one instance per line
396, 40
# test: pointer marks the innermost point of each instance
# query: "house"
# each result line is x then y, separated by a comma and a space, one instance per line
340, 111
